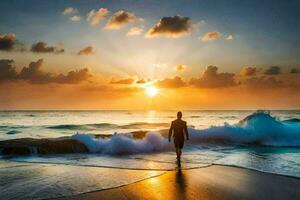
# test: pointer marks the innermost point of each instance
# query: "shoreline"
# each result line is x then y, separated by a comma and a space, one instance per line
211, 182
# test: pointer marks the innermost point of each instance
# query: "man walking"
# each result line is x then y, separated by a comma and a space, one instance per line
178, 128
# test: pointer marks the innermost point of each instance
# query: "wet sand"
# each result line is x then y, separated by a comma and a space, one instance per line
214, 182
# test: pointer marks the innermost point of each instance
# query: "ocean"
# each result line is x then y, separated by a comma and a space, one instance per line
258, 140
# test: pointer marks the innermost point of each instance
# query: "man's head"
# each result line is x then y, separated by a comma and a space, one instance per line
179, 115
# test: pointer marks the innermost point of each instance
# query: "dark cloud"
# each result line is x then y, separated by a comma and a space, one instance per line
273, 70
7, 42
120, 19
248, 71
34, 74
295, 71
42, 47
171, 26
86, 51
123, 81
212, 79
263, 82
175, 82
7, 71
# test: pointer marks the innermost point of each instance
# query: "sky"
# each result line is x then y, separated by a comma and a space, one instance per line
151, 54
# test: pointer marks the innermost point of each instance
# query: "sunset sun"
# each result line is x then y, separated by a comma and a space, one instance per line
151, 91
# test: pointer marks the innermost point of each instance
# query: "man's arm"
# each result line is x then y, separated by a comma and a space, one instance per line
186, 131
170, 132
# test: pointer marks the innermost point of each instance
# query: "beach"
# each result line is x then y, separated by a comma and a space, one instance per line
213, 182
85, 155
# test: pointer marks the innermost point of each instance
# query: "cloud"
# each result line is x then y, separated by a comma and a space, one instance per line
229, 37
248, 71
295, 71
70, 10
35, 75
273, 70
180, 67
75, 18
134, 31
262, 82
41, 47
7, 42
175, 26
175, 82
7, 71
123, 81
210, 36
212, 79
120, 19
94, 17
141, 81
89, 50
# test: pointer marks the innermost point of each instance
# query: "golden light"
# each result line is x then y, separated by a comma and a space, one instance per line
151, 91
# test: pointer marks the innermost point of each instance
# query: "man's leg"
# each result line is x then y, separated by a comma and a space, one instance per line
179, 153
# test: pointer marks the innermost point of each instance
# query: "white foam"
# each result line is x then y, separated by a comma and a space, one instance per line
122, 144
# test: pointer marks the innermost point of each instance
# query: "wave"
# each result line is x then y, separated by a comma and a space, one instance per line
136, 125
259, 128
122, 144
83, 126
293, 120
12, 132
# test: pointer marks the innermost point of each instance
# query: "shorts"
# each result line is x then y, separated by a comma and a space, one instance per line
178, 142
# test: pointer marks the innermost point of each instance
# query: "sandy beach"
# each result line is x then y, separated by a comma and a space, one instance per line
213, 182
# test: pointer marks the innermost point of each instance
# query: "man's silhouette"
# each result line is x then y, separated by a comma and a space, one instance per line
178, 128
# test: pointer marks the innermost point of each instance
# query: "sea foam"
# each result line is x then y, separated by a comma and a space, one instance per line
122, 144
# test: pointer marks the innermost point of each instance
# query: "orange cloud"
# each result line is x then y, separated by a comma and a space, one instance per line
248, 71
263, 82
210, 36
175, 82
134, 31
123, 81
175, 26
120, 19
86, 51
94, 17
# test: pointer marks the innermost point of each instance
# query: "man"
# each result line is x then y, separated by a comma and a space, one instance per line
177, 128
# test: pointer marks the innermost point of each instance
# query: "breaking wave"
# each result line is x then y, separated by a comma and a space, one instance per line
122, 144
259, 128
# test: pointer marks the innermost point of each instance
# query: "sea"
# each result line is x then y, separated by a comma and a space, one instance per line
266, 141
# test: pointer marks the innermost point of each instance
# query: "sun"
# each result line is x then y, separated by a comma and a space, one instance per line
151, 91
